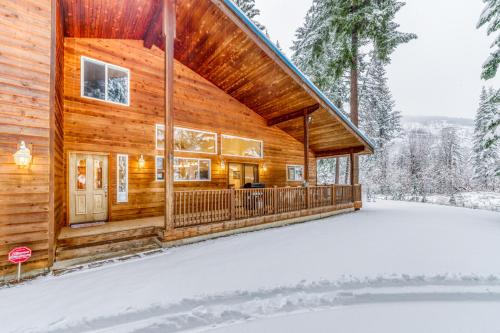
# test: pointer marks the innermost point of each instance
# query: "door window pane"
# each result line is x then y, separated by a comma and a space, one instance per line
160, 168
117, 85
81, 175
97, 174
194, 141
94, 79
191, 169
250, 173
235, 146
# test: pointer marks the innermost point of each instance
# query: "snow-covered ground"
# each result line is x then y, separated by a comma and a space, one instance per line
388, 267
475, 200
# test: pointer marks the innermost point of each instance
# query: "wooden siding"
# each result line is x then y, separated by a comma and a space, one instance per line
25, 46
58, 126
97, 126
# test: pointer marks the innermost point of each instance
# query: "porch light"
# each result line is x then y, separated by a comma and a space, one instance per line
22, 156
142, 162
264, 167
222, 164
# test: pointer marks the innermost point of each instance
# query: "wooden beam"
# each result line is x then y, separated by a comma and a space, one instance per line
52, 124
169, 7
306, 146
351, 165
340, 152
293, 115
154, 31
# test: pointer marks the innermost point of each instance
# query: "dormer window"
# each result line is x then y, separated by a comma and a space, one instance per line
105, 82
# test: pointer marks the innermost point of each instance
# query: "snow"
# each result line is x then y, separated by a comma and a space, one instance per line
393, 317
389, 252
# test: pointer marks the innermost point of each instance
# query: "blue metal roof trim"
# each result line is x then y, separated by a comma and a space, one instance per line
311, 85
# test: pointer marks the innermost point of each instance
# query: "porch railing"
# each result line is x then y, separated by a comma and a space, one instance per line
199, 207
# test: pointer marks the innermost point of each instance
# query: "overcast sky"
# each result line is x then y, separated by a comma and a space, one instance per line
437, 74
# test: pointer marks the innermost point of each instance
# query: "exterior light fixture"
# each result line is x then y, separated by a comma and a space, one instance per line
22, 156
142, 162
222, 164
264, 167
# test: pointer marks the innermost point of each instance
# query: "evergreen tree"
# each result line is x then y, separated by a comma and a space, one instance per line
448, 163
486, 157
340, 29
248, 7
491, 17
381, 122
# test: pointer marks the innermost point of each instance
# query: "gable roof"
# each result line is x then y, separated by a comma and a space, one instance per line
218, 41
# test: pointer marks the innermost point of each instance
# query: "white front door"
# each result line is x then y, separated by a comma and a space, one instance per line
88, 188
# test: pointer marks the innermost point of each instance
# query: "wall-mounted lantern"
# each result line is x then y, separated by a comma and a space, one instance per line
141, 162
22, 156
222, 164
264, 167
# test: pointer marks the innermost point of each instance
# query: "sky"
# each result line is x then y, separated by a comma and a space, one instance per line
436, 75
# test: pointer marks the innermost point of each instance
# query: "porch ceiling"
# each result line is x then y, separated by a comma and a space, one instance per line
215, 41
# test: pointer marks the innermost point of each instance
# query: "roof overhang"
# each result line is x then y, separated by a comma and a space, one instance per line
218, 41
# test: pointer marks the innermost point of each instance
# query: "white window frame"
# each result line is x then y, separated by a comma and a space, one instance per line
195, 180
121, 197
106, 66
198, 131
156, 136
294, 166
242, 138
156, 168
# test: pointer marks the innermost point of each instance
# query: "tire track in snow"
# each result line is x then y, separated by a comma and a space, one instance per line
216, 310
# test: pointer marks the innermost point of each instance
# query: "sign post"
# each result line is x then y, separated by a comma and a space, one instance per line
19, 255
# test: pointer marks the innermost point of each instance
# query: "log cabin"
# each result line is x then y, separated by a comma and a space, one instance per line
130, 125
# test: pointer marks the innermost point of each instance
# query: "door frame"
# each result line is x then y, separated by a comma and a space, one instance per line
242, 170
68, 160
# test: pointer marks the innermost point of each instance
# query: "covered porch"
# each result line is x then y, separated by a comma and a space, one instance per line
194, 67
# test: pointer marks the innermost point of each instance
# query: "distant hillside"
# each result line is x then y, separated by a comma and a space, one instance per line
430, 120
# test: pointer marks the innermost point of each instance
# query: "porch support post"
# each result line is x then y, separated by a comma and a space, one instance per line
169, 7
306, 157
306, 149
351, 164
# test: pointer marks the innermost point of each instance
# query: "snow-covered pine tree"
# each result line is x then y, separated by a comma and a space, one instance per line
486, 156
344, 27
381, 122
491, 17
248, 7
335, 88
448, 164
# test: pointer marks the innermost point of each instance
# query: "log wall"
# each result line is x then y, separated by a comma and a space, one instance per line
98, 126
25, 69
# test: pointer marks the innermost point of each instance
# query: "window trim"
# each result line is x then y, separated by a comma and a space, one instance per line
198, 131
156, 136
156, 169
106, 65
195, 180
288, 175
246, 139
118, 200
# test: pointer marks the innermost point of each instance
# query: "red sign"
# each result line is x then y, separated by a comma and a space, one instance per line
19, 254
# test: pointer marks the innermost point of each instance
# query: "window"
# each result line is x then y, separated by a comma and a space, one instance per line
105, 82
122, 178
191, 169
160, 168
241, 147
81, 177
294, 173
193, 141
160, 137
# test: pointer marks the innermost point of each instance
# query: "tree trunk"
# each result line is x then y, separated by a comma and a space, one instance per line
337, 170
354, 98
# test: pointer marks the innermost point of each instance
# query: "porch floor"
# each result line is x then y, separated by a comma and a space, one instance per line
111, 227
86, 244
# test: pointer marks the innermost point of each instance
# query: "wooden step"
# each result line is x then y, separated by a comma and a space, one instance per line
76, 255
